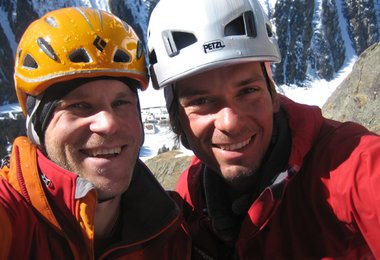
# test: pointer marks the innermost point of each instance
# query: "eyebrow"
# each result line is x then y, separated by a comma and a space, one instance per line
191, 92
82, 95
250, 80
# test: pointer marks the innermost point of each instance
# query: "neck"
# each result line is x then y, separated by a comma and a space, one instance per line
242, 186
106, 216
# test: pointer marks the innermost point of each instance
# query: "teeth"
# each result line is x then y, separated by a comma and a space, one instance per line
97, 152
233, 147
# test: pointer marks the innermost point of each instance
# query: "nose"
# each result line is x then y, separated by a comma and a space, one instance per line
104, 122
228, 120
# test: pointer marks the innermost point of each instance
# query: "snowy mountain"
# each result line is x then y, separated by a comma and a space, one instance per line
317, 38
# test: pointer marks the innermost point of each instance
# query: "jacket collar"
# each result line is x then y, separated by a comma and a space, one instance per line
62, 186
305, 123
147, 210
146, 207
227, 213
23, 176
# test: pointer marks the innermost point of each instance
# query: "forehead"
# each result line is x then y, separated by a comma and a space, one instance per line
235, 75
101, 88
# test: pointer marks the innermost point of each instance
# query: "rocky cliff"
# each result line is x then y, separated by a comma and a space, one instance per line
357, 98
168, 166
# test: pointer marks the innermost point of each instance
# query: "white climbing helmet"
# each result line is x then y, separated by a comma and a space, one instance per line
186, 37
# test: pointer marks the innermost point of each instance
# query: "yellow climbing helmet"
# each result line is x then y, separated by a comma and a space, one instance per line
76, 42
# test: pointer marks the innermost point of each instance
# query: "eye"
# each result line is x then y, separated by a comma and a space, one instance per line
248, 90
80, 105
119, 103
195, 102
198, 105
124, 102
200, 101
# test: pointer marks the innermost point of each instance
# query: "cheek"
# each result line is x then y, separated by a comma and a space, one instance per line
61, 132
55, 140
261, 112
198, 127
64, 133
199, 131
132, 128
190, 124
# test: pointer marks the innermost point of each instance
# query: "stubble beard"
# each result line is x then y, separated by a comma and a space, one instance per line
242, 179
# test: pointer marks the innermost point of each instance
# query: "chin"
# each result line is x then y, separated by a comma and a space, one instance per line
235, 174
108, 195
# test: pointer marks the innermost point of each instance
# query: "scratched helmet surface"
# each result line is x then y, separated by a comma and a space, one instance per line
223, 32
76, 42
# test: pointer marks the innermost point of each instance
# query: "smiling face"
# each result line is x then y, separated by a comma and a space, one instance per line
96, 132
227, 117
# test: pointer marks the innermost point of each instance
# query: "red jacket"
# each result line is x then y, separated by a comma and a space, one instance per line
51, 215
326, 206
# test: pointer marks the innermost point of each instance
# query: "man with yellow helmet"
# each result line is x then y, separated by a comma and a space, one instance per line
75, 188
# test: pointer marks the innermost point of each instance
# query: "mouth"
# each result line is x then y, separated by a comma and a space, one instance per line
103, 152
234, 147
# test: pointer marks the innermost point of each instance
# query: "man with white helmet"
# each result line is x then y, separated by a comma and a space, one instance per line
271, 179
75, 188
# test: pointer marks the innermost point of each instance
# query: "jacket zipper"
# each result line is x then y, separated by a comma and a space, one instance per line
111, 250
20, 178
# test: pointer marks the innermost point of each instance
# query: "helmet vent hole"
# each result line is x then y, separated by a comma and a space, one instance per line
30, 62
184, 39
139, 51
79, 55
152, 57
243, 25
46, 48
176, 41
51, 21
236, 27
121, 56
269, 30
